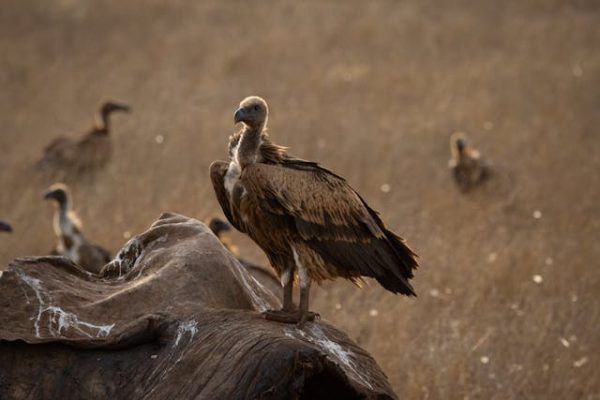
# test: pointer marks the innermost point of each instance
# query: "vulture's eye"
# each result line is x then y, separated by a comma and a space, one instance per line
256, 108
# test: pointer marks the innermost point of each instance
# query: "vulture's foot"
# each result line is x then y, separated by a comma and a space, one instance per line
289, 308
290, 317
307, 316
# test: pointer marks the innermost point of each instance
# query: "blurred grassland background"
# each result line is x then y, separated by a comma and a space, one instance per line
508, 304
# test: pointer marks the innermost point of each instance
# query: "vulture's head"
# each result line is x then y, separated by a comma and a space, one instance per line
112, 106
253, 112
58, 192
5, 227
458, 143
217, 226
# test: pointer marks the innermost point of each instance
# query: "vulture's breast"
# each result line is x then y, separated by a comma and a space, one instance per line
234, 171
232, 176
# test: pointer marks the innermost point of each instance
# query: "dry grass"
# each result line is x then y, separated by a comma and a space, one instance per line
372, 90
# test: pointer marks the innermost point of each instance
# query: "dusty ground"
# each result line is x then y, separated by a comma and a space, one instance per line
372, 91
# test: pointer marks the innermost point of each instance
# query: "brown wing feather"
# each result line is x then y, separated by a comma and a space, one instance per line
218, 169
93, 257
61, 151
321, 208
58, 142
93, 151
324, 205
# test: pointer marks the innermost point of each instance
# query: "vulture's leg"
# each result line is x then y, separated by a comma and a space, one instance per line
287, 280
303, 313
288, 314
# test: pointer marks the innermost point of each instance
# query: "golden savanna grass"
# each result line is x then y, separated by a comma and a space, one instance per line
508, 302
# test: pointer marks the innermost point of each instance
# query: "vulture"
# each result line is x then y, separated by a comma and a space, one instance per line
262, 275
87, 152
5, 227
71, 242
219, 227
466, 164
310, 222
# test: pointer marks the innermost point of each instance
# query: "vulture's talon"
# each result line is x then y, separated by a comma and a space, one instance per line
287, 317
308, 316
290, 317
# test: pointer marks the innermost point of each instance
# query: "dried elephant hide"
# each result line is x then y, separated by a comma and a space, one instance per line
174, 315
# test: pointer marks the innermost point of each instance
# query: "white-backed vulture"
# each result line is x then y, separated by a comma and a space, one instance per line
468, 169
308, 220
5, 227
67, 227
90, 151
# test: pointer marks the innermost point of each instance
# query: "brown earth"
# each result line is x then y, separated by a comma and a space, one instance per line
372, 91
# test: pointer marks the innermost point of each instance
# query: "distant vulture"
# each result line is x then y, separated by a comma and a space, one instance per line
262, 275
219, 227
5, 227
308, 220
87, 152
71, 243
466, 164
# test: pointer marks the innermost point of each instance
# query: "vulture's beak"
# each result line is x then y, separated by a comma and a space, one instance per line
122, 107
4, 227
239, 115
50, 194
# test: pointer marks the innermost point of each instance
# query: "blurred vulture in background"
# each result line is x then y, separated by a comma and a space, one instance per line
220, 228
71, 242
468, 169
307, 220
86, 153
261, 274
5, 227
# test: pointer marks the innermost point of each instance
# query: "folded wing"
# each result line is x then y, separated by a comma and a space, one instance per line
333, 220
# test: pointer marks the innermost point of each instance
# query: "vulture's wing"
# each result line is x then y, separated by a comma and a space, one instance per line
93, 257
218, 169
57, 143
333, 220
60, 152
105, 255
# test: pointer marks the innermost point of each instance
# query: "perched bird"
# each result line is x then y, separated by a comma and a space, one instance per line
219, 227
262, 275
308, 220
90, 151
71, 242
5, 227
466, 164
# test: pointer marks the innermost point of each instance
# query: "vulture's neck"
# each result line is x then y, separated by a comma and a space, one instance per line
458, 153
69, 235
249, 146
102, 123
62, 220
